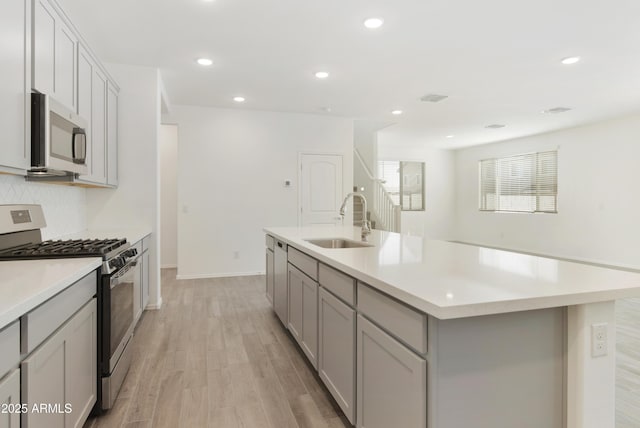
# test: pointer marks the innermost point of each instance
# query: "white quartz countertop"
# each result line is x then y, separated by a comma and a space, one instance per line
132, 235
25, 284
452, 280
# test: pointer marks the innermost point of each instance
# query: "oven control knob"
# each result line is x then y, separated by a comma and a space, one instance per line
132, 252
116, 263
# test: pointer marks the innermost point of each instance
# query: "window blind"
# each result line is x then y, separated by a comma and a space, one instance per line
522, 183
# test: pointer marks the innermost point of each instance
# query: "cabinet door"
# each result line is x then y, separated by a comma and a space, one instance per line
392, 381
55, 55
85, 100
337, 351
269, 276
280, 293
44, 47
66, 62
98, 127
10, 395
112, 135
145, 279
80, 365
63, 371
303, 312
14, 150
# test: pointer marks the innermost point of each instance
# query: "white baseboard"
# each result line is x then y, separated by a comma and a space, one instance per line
218, 275
155, 306
168, 266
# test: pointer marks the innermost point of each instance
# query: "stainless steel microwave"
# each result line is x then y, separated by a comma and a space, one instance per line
58, 139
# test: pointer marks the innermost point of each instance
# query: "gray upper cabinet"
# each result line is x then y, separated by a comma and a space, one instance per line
66, 65
64, 68
55, 55
15, 63
303, 312
392, 381
92, 107
337, 351
112, 135
98, 171
44, 47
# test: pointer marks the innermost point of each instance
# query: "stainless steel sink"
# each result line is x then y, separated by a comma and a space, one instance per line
338, 243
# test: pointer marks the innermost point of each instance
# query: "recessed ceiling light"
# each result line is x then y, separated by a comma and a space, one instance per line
570, 60
396, 112
204, 61
495, 126
322, 74
556, 110
373, 23
239, 99
450, 136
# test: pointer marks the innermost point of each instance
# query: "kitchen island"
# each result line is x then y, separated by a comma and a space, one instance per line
484, 337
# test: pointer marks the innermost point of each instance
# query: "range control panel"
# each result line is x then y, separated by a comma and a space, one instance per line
18, 218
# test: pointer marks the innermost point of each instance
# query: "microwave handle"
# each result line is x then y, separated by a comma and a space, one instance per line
79, 146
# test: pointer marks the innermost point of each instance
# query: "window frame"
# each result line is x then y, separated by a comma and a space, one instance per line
536, 179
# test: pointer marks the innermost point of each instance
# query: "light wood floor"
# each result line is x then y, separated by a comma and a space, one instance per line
215, 355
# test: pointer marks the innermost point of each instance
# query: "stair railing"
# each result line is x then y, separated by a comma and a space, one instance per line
385, 211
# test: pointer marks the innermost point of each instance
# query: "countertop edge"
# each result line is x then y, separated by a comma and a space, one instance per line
23, 307
462, 310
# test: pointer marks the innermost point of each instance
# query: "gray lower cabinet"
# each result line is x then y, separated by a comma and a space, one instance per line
280, 288
269, 275
303, 312
10, 397
61, 373
336, 351
392, 381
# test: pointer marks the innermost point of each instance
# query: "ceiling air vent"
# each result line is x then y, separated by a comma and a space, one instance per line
433, 98
557, 110
495, 126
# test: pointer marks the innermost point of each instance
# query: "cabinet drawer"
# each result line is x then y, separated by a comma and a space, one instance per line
38, 324
269, 241
405, 323
303, 262
10, 346
338, 283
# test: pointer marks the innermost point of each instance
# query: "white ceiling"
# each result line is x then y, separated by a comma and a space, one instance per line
497, 60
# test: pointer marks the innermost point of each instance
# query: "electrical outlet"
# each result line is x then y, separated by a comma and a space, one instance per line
599, 340
236, 255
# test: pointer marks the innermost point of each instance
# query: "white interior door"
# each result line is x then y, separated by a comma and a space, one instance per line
320, 189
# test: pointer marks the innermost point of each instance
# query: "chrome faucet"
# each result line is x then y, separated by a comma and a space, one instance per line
366, 228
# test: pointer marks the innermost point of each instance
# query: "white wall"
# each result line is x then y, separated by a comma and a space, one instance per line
438, 218
169, 195
65, 207
231, 167
598, 197
135, 203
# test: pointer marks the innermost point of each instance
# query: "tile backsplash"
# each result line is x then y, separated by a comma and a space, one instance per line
65, 207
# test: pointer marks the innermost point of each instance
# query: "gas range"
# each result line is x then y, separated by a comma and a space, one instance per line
28, 245
116, 290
